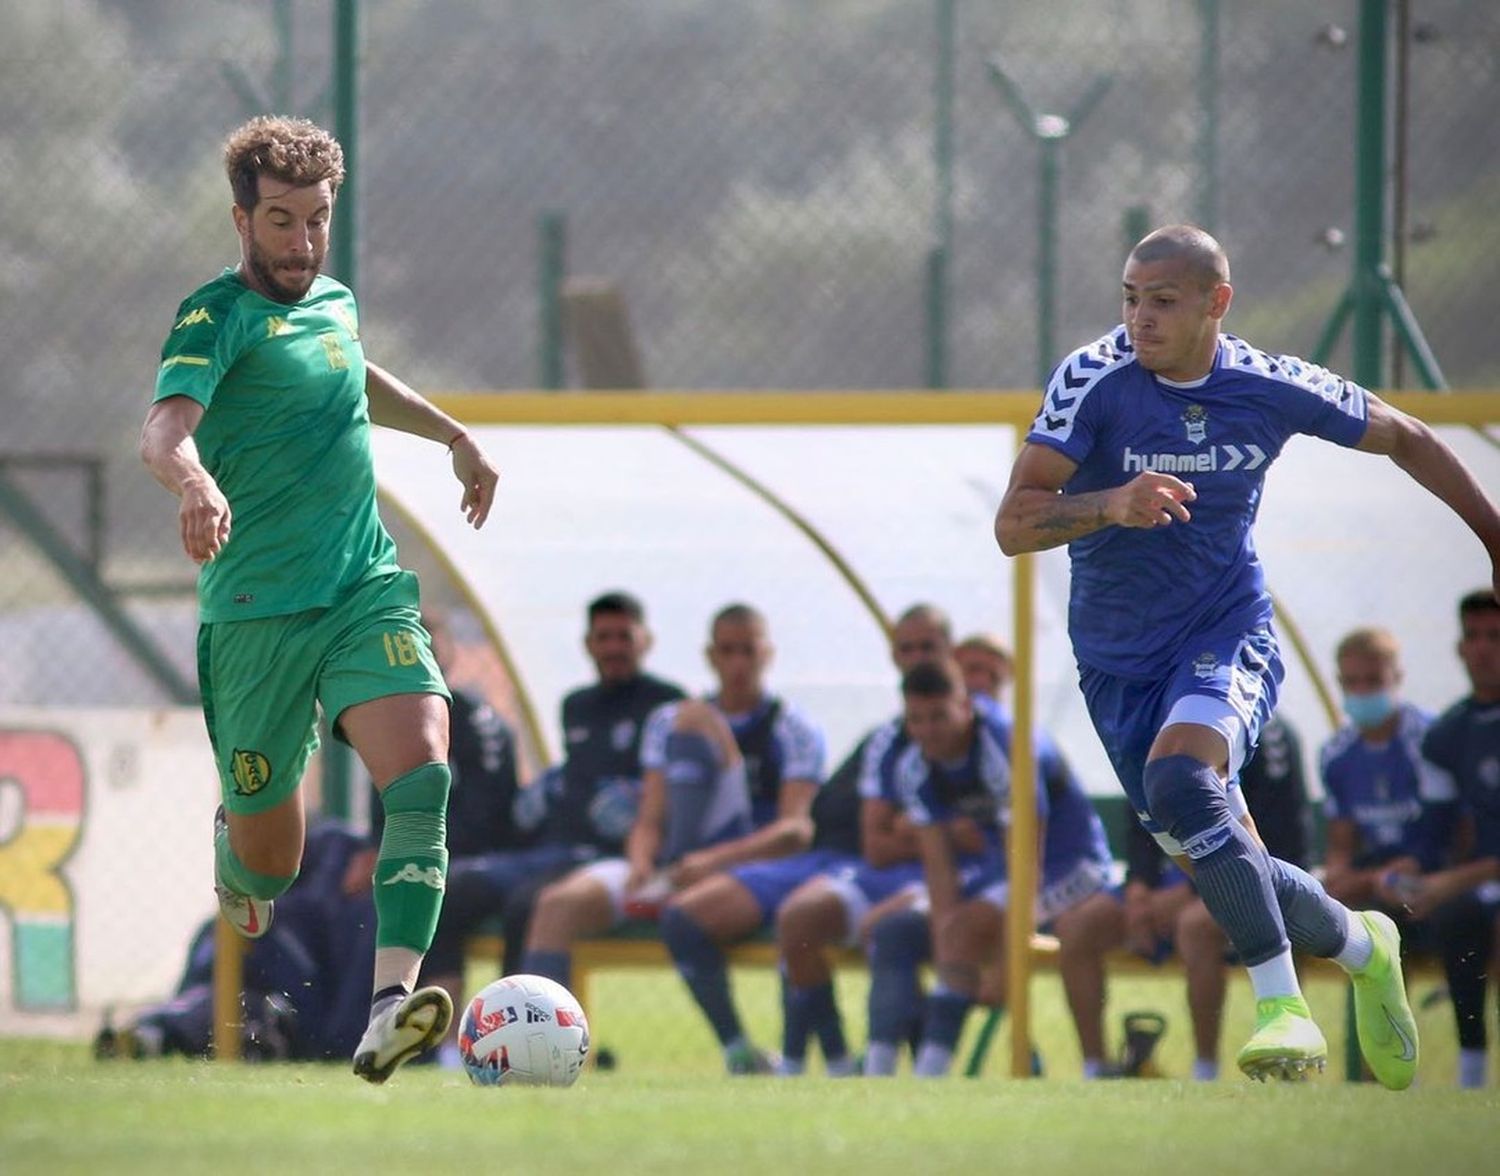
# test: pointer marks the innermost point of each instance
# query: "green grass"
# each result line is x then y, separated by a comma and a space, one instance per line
667, 1108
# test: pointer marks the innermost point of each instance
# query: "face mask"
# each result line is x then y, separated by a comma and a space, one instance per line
1369, 710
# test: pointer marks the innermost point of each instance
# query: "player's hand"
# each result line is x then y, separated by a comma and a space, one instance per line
1150, 500
691, 868
203, 517
479, 478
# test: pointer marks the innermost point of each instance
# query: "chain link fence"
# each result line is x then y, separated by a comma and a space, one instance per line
784, 193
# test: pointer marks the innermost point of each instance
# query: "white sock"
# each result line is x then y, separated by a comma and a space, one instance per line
1275, 977
1205, 1069
1473, 1068
1358, 947
844, 1067
396, 966
790, 1068
1093, 1067
880, 1059
933, 1060
448, 1056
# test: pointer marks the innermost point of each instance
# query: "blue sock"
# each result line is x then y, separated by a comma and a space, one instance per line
1315, 923
555, 965
808, 1011
1231, 869
700, 961
899, 945
691, 772
946, 1012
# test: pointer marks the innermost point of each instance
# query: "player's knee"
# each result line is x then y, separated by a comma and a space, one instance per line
685, 936
1186, 797
693, 760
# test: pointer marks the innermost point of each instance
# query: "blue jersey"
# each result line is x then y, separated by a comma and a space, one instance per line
977, 786
1140, 596
1401, 804
1465, 741
877, 771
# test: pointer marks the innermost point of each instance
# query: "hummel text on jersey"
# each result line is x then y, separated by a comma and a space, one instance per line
1247, 457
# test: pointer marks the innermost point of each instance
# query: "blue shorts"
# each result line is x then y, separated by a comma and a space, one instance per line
1230, 684
861, 886
770, 882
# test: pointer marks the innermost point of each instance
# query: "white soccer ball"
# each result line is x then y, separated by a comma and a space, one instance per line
526, 1030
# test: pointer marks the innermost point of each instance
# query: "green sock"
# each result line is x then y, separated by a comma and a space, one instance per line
410, 873
240, 878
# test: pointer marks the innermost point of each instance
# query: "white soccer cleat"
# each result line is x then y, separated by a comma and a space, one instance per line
399, 1030
251, 917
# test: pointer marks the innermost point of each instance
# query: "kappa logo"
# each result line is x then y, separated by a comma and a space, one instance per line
1195, 417
193, 317
276, 325
251, 771
411, 872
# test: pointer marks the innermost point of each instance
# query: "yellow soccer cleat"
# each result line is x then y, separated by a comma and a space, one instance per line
1387, 1029
1287, 1042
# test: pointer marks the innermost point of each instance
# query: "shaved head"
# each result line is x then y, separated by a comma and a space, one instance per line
1188, 245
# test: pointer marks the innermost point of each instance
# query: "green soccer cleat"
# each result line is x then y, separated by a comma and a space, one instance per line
1287, 1042
1387, 1029
742, 1058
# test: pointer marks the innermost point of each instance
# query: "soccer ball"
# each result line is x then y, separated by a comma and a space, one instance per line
526, 1030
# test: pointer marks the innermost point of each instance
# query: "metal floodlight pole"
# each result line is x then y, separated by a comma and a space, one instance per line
1050, 130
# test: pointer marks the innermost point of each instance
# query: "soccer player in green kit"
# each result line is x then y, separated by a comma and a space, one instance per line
261, 426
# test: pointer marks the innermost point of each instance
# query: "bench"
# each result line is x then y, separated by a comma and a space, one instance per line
636, 945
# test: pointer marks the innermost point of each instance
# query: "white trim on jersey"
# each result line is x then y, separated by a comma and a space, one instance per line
1074, 378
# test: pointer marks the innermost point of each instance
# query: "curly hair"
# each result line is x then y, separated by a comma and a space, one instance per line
292, 150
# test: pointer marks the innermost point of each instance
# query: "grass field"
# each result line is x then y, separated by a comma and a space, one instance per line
670, 1110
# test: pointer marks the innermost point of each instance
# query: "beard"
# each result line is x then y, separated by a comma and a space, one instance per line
288, 286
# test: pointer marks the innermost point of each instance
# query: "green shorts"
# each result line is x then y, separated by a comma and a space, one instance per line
263, 680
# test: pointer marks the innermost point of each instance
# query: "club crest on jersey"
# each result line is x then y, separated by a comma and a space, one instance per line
1489, 772
1195, 417
1205, 665
251, 771
622, 735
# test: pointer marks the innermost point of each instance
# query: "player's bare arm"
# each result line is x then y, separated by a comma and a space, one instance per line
938, 870
1413, 446
396, 405
886, 834
170, 454
644, 840
1036, 515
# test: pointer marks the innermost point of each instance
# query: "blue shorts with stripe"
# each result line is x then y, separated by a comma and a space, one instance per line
1228, 681
772, 881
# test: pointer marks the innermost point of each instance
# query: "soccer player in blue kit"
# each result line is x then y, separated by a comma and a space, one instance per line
1148, 459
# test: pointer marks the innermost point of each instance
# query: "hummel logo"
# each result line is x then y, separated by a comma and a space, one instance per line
411, 872
1248, 457
1408, 1046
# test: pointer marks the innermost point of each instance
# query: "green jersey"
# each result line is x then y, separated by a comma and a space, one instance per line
286, 435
